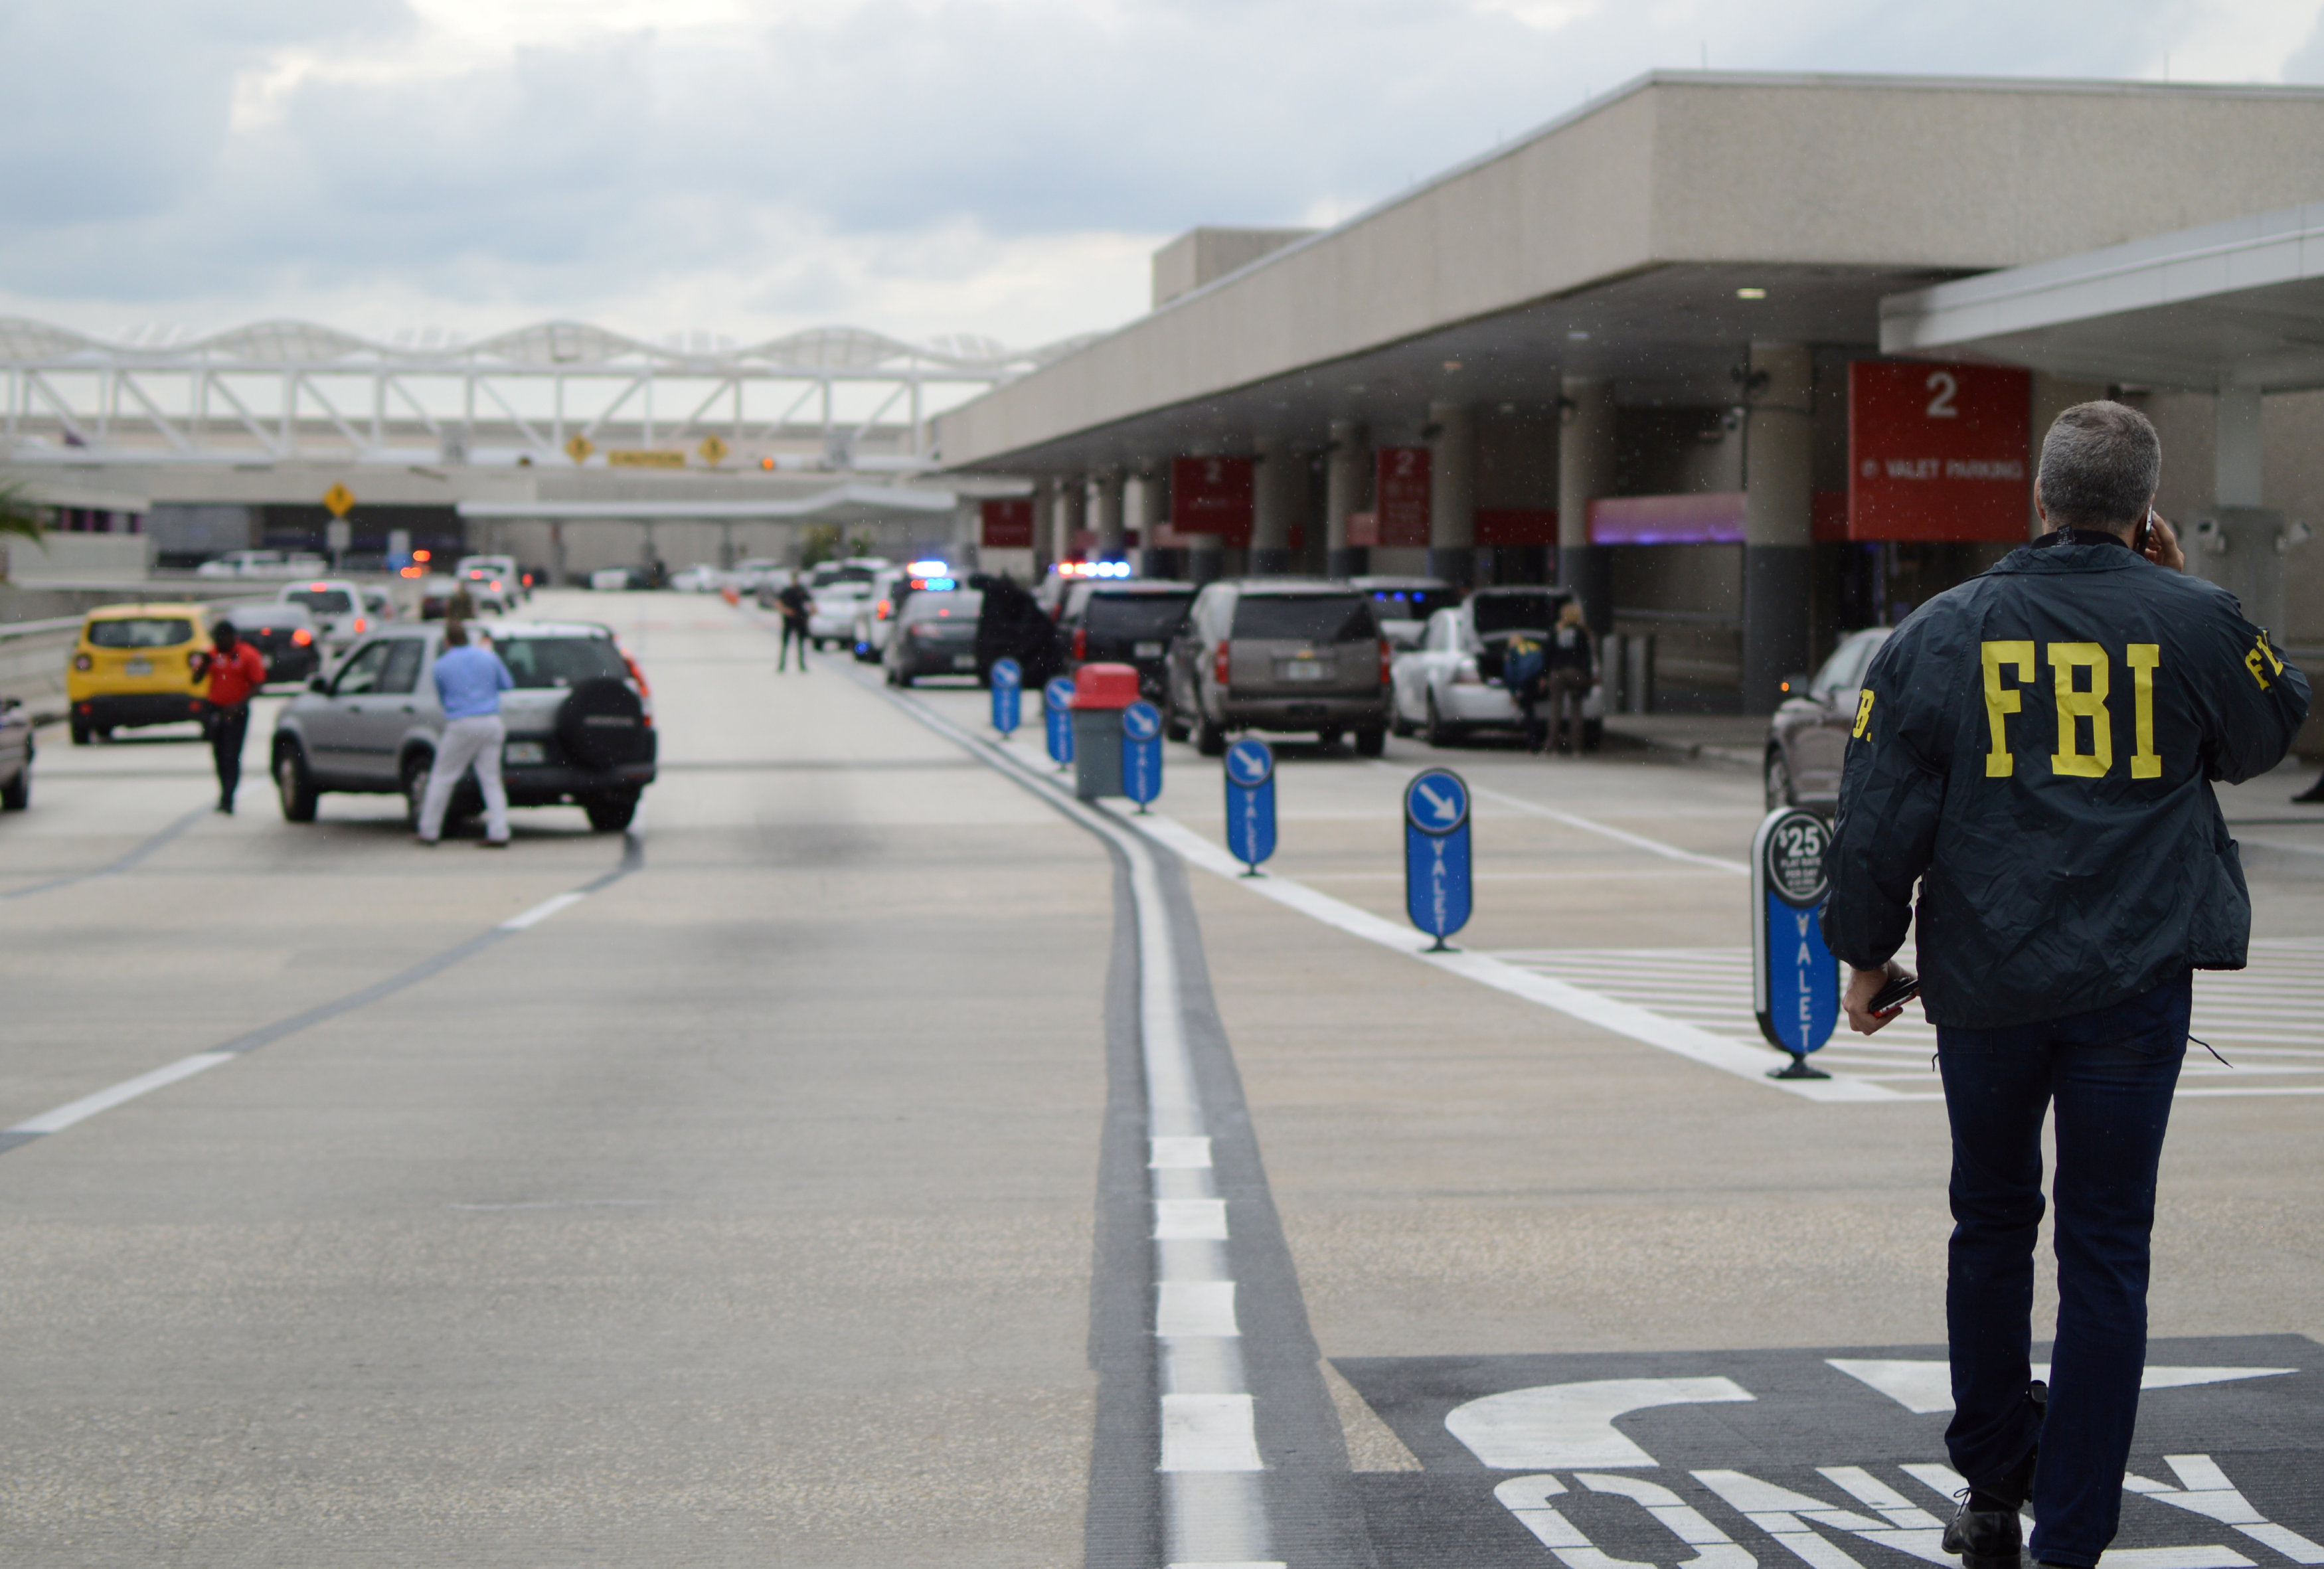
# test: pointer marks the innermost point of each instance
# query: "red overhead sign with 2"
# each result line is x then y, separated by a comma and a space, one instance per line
1938, 452
1212, 495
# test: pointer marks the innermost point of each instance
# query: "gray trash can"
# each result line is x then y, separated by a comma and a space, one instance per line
1100, 692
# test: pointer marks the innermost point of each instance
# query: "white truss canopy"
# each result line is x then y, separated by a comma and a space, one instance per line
280, 389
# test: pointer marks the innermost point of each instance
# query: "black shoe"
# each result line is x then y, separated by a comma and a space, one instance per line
1985, 1539
2313, 796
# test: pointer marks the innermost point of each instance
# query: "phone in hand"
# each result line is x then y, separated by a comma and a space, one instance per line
2145, 530
1895, 995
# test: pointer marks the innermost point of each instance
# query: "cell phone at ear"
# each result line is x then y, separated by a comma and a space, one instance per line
1895, 995
2146, 530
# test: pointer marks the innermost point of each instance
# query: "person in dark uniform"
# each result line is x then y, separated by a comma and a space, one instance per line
796, 604
2035, 749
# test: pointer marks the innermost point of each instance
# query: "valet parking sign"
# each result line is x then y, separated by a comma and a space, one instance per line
1436, 854
1795, 979
1938, 452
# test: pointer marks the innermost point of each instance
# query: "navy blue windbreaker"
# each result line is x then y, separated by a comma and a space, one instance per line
2035, 749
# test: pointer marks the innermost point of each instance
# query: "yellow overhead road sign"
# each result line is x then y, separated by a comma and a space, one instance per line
644, 457
580, 448
713, 450
340, 500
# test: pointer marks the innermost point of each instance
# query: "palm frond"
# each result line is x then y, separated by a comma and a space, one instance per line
20, 516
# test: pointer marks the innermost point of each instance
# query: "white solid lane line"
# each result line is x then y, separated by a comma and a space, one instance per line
128, 1090
1604, 830
1641, 1024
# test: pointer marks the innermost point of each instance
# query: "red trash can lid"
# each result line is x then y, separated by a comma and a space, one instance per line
1105, 686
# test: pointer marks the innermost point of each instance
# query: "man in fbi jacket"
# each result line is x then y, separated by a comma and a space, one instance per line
2035, 749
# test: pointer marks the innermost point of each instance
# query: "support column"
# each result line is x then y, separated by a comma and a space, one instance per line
1586, 451
1278, 494
1778, 528
1452, 494
2242, 552
1148, 502
1344, 473
1105, 516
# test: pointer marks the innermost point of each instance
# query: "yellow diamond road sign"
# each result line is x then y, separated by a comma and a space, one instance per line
340, 500
580, 448
713, 450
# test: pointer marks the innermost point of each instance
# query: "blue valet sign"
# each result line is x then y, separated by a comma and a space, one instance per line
1795, 979
1436, 854
1250, 802
1008, 697
1057, 710
1142, 752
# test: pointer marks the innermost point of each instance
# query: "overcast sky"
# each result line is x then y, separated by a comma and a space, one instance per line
996, 167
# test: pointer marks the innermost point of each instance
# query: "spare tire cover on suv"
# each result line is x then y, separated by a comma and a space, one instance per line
603, 725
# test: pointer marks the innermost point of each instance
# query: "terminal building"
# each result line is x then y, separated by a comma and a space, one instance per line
1746, 361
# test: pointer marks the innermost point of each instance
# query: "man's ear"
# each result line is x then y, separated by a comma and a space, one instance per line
2040, 511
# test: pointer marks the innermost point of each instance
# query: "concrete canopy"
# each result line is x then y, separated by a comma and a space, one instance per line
1634, 219
842, 504
2238, 305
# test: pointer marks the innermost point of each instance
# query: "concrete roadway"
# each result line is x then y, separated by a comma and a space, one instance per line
745, 1209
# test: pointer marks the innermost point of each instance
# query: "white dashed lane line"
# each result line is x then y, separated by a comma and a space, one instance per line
72, 1112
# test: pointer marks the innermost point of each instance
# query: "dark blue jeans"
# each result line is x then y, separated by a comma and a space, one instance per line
2110, 1073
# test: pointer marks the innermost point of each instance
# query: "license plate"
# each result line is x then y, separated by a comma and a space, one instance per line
138, 668
963, 662
523, 753
1145, 650
1306, 670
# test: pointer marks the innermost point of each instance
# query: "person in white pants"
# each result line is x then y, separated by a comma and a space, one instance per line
469, 681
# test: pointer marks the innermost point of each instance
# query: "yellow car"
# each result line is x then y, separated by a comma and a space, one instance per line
138, 664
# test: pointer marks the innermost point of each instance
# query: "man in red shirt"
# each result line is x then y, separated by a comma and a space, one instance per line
235, 672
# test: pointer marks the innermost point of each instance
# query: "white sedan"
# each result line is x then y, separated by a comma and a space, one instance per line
831, 622
1440, 689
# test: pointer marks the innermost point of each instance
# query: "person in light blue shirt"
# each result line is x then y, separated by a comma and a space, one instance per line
469, 682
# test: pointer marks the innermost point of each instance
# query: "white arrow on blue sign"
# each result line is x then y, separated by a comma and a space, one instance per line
1250, 802
1142, 752
1437, 869
1057, 710
1008, 695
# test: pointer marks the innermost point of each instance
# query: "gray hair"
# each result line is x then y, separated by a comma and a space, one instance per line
2101, 464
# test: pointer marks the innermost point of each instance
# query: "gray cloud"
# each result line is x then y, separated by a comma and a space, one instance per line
582, 171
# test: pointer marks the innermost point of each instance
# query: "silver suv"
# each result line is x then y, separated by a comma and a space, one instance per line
580, 724
1280, 653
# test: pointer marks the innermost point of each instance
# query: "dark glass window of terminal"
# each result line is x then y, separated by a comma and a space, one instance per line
1499, 613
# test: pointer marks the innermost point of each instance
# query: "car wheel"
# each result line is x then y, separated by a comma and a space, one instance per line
80, 733
295, 785
416, 770
1210, 740
1399, 724
1439, 733
17, 793
1779, 782
905, 678
612, 814
1371, 741
1173, 727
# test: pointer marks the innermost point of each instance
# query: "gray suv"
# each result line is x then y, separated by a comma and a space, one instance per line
579, 727
1280, 653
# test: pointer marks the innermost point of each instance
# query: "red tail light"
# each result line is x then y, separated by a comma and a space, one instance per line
1387, 657
302, 637
359, 625
1219, 664
1081, 642
638, 676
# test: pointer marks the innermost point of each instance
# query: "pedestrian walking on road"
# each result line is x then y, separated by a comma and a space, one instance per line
2035, 749
796, 604
1573, 659
469, 682
235, 671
